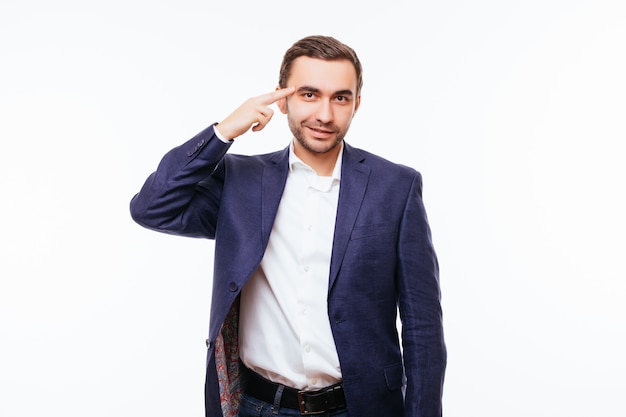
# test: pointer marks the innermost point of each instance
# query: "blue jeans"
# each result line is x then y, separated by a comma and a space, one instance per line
251, 407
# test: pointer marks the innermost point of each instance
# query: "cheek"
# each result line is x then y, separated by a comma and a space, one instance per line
296, 110
345, 118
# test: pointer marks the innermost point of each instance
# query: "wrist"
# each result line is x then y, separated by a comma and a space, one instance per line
220, 135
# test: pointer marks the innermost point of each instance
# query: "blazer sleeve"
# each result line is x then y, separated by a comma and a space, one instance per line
419, 297
175, 199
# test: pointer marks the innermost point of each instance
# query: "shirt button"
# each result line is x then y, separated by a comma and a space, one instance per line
306, 268
307, 349
314, 381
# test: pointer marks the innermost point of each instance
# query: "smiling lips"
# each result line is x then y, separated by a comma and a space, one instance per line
319, 131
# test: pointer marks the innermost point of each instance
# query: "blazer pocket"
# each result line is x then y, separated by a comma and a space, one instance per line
394, 376
369, 230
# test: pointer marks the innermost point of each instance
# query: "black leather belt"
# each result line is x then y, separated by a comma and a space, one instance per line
308, 402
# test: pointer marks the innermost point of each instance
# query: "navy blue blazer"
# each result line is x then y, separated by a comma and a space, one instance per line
383, 262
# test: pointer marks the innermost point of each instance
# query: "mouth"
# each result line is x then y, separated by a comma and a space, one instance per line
320, 132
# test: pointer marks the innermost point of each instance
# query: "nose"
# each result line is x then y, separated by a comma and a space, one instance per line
324, 112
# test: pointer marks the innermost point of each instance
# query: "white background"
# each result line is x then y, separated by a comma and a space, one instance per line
514, 112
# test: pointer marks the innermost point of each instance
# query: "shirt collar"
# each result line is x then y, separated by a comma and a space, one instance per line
294, 161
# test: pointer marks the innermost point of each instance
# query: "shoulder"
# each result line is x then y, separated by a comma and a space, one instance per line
260, 160
379, 166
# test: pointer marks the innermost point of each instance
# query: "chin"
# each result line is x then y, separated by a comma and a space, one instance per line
319, 145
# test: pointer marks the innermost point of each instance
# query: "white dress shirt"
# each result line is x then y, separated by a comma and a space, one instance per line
284, 330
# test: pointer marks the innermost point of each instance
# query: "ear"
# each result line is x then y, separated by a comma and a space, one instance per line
357, 103
282, 103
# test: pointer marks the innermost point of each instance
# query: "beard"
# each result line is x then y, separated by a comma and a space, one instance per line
311, 144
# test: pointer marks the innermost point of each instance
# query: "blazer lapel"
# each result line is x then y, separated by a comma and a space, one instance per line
354, 178
274, 179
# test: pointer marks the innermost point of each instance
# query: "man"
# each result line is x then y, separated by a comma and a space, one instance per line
317, 248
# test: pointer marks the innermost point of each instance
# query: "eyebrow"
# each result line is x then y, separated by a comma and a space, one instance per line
309, 89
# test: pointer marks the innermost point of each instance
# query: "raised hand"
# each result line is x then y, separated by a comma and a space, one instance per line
254, 112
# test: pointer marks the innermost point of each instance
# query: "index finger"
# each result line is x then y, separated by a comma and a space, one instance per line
276, 95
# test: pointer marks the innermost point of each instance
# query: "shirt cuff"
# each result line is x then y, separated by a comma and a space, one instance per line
219, 135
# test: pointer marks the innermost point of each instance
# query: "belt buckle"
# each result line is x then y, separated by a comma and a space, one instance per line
303, 410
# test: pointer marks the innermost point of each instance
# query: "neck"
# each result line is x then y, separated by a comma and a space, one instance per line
323, 163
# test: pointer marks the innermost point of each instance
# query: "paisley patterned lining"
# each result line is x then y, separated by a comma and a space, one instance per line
227, 363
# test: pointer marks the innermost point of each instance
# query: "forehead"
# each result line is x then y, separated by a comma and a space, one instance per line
328, 76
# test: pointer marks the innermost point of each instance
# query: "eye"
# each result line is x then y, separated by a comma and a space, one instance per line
308, 95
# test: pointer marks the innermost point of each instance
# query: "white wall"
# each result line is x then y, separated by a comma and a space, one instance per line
513, 111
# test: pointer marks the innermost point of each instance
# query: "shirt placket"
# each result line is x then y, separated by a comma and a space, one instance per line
310, 275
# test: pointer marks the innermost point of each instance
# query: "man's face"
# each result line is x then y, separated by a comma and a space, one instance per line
325, 101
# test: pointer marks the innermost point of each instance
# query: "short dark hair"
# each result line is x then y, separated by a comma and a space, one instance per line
321, 47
